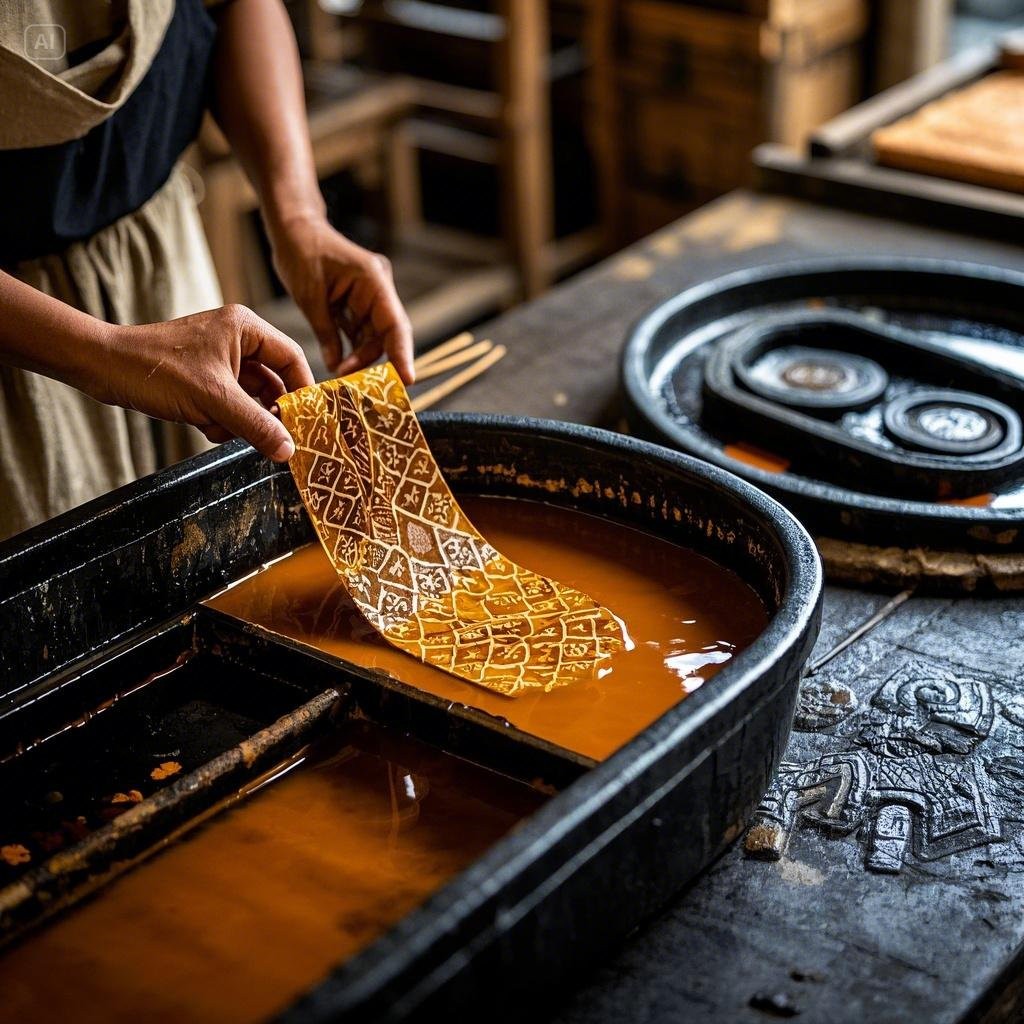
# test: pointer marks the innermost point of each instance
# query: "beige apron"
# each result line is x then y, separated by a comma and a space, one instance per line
59, 448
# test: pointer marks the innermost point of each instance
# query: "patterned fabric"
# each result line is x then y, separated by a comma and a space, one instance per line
427, 581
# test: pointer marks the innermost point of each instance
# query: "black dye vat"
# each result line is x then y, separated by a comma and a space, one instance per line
108, 661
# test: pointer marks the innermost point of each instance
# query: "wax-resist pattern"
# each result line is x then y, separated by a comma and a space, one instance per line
410, 558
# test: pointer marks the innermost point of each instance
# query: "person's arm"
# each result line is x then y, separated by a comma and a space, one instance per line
260, 106
220, 370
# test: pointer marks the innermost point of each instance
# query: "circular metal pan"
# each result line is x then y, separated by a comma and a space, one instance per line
813, 378
951, 422
978, 311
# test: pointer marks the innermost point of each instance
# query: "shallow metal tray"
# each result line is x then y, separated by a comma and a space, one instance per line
973, 310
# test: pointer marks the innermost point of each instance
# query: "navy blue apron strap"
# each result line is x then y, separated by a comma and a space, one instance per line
55, 195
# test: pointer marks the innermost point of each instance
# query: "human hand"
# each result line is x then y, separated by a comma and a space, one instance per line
344, 291
220, 371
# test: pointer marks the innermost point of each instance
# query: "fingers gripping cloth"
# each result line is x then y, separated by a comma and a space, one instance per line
409, 557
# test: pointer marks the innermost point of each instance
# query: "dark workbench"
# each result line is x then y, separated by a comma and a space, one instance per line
818, 935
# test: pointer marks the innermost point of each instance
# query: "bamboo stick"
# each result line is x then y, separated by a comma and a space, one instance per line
460, 341
456, 381
467, 355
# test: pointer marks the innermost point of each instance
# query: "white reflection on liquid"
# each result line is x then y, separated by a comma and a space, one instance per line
687, 666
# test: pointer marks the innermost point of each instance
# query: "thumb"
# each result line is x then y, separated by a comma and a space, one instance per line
246, 418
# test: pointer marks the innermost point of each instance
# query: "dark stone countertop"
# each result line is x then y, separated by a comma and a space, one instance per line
897, 908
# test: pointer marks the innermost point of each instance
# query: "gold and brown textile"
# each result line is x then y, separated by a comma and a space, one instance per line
410, 558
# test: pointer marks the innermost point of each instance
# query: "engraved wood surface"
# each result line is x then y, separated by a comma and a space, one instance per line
897, 895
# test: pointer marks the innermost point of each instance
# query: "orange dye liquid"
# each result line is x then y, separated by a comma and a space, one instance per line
239, 917
756, 457
686, 617
235, 921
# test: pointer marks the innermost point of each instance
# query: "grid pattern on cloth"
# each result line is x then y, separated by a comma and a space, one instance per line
409, 557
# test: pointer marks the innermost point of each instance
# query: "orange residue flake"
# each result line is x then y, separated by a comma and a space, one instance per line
15, 854
133, 796
119, 803
165, 770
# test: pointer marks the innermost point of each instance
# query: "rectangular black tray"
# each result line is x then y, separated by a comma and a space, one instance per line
100, 623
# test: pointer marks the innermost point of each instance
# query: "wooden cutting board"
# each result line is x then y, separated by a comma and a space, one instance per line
975, 134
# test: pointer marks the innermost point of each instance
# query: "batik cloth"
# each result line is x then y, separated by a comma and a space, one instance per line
409, 557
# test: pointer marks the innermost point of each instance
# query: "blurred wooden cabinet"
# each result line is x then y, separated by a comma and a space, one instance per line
515, 111
910, 36
485, 74
687, 90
